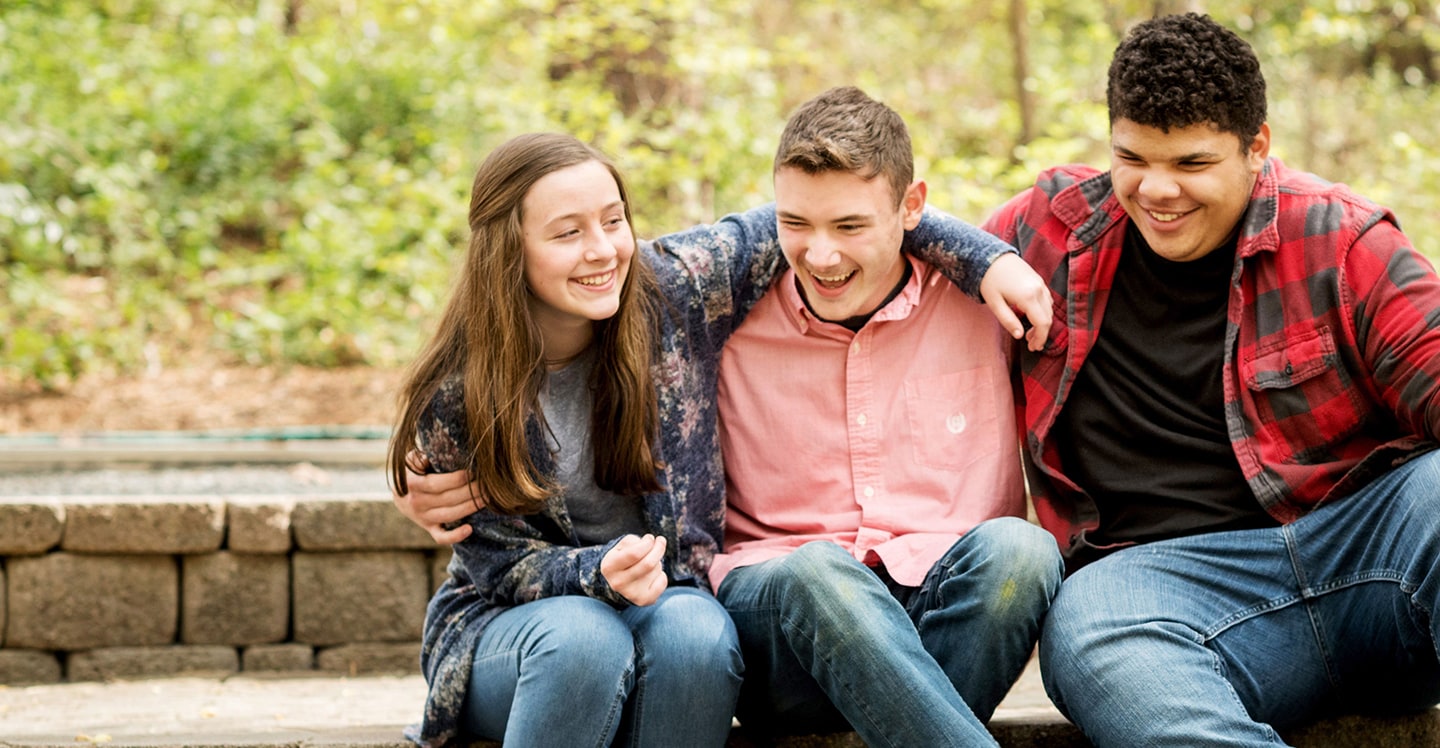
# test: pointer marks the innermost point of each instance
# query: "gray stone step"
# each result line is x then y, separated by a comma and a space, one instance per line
370, 712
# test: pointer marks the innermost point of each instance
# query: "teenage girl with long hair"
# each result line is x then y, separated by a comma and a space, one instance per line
577, 387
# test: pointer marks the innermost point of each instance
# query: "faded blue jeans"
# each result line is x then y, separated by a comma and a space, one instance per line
573, 671
1225, 638
831, 644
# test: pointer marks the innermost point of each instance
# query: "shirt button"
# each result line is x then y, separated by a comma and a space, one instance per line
861, 419
955, 423
869, 492
855, 347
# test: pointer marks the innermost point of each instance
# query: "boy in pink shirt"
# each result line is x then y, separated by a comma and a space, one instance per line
877, 563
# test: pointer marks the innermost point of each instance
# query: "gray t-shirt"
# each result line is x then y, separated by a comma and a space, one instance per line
599, 516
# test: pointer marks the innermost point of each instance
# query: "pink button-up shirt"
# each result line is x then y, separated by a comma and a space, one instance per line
891, 442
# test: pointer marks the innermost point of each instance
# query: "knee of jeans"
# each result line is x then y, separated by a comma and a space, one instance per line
699, 658
1020, 559
822, 576
692, 625
583, 634
813, 563
1064, 642
1079, 623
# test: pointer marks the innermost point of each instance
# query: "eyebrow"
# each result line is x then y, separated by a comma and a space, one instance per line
853, 218
1195, 156
577, 214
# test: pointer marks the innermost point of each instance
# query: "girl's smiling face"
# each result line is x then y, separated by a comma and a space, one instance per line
578, 247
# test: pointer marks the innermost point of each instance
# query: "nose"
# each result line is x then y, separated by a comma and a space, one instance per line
1156, 184
598, 247
822, 252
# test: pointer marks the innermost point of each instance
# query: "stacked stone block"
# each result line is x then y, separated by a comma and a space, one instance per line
95, 588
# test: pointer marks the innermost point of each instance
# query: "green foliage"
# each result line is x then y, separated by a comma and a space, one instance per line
292, 187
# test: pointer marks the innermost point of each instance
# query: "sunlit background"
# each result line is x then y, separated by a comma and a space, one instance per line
286, 182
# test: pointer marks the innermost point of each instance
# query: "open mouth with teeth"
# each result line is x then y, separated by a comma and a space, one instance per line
596, 280
832, 281
1165, 217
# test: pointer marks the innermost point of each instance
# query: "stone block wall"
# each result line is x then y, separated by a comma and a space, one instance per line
95, 588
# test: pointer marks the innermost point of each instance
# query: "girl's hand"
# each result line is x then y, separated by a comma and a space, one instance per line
437, 501
635, 568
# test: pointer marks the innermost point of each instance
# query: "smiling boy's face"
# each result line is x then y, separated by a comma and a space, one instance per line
1186, 189
842, 235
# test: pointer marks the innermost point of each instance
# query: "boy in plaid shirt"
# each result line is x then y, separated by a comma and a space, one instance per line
1231, 430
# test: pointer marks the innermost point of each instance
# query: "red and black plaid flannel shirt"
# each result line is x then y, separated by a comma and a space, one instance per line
1332, 349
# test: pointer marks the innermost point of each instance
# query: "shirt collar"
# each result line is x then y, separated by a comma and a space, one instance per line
899, 307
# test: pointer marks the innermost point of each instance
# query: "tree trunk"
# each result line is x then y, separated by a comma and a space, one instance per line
1020, 43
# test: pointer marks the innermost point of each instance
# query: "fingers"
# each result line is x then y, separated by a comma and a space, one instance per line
629, 551
635, 568
1036, 336
436, 482
1004, 315
452, 536
1010, 286
437, 501
445, 497
1041, 315
416, 462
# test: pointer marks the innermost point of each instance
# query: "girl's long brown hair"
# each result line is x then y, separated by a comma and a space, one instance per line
488, 337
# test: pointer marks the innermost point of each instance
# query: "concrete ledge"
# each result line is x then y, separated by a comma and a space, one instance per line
370, 712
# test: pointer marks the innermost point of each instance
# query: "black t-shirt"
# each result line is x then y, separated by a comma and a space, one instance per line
1143, 430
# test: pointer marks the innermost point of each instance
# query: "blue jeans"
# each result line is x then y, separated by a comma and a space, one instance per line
573, 671
1225, 638
831, 644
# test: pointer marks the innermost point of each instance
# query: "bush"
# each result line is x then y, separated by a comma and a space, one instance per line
286, 181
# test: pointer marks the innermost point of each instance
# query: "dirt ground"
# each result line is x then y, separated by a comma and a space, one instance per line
203, 397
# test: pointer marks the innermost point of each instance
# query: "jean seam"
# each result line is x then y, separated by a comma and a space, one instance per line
792, 632
637, 694
617, 706
1317, 627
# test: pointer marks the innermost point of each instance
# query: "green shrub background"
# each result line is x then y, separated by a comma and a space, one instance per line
286, 182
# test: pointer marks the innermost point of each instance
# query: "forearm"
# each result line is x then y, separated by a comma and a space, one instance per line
960, 251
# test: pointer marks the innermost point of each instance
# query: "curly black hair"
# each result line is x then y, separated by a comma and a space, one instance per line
1183, 70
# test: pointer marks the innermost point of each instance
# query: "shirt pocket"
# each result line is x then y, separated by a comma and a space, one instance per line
953, 418
1300, 397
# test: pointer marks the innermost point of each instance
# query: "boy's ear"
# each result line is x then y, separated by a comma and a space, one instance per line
913, 203
1259, 148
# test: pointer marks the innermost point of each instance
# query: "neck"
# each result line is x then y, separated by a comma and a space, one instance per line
562, 344
559, 351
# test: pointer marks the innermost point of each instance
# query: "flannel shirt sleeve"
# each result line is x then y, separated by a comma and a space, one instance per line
1395, 297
